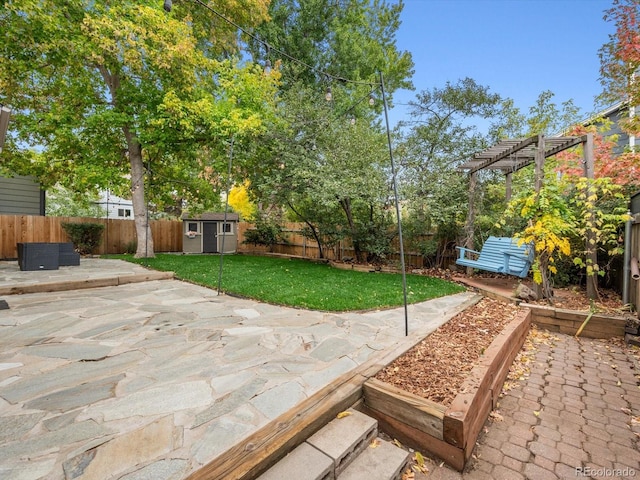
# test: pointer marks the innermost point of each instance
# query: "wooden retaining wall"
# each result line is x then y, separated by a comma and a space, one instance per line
449, 432
569, 321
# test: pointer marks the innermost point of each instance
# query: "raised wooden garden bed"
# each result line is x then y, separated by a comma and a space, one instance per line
600, 325
449, 432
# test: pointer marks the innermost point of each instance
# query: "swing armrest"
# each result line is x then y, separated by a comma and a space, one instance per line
462, 252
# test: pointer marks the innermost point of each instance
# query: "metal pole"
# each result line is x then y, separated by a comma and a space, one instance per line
107, 224
395, 194
224, 221
146, 227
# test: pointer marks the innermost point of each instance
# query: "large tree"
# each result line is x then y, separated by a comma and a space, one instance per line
441, 134
104, 94
322, 167
329, 171
347, 39
619, 65
620, 57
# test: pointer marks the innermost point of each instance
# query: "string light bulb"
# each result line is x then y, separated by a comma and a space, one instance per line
328, 96
267, 66
167, 5
353, 120
372, 100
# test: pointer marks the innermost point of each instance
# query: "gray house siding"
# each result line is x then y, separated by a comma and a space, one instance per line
614, 115
21, 196
623, 138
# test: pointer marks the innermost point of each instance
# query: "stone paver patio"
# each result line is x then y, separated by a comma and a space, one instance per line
157, 379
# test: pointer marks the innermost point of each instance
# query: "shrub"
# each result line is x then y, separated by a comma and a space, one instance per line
266, 232
131, 246
85, 236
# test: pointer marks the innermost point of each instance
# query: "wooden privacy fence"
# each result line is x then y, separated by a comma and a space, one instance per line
117, 235
300, 246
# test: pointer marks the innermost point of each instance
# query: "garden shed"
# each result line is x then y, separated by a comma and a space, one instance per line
210, 233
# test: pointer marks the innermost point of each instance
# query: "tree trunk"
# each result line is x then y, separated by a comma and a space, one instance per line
345, 203
140, 214
316, 236
469, 224
544, 290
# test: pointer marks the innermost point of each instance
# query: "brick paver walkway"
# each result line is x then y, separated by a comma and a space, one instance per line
574, 416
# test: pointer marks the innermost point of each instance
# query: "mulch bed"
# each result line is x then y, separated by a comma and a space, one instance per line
436, 367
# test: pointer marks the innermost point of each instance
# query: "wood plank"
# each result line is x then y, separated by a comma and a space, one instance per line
539, 310
259, 451
59, 286
562, 314
405, 406
144, 277
554, 321
469, 410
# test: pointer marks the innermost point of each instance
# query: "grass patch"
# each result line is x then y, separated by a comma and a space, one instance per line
299, 283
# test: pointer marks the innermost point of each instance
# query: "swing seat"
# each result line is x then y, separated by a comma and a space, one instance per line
498, 255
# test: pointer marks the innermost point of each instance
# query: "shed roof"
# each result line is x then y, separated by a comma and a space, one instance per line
513, 154
216, 217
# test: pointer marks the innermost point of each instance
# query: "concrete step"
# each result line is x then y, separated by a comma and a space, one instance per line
342, 439
381, 460
304, 462
328, 452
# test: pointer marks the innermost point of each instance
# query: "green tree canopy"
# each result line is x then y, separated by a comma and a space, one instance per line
106, 93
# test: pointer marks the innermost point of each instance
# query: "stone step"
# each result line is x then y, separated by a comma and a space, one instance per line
327, 452
381, 460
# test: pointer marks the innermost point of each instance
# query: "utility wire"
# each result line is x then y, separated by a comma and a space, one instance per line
168, 6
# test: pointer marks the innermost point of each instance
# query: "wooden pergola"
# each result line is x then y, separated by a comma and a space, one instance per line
509, 156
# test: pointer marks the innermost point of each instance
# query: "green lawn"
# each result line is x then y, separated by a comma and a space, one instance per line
299, 283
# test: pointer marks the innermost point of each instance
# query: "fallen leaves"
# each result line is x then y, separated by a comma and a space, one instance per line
495, 416
418, 465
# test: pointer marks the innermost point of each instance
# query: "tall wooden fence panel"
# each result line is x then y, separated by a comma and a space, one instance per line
300, 246
118, 235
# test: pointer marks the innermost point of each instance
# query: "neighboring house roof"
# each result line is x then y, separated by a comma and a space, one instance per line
614, 114
218, 217
606, 113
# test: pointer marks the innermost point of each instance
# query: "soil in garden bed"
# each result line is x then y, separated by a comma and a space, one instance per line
436, 367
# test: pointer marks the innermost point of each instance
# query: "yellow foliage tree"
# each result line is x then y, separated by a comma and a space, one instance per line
564, 210
239, 200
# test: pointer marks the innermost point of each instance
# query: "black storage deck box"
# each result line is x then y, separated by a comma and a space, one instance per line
38, 256
67, 255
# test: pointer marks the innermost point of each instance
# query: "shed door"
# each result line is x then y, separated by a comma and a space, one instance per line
209, 237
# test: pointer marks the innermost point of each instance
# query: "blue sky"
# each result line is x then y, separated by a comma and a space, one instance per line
517, 48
